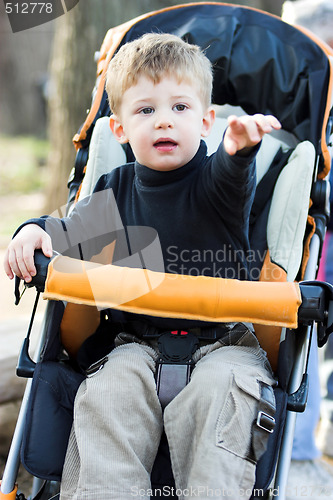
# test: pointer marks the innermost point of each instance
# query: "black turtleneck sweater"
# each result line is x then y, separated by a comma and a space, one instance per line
192, 220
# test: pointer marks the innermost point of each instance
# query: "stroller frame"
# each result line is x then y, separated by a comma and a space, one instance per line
315, 126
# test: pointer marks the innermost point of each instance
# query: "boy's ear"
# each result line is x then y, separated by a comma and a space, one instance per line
208, 122
118, 129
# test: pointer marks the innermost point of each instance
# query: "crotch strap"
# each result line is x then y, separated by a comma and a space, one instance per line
175, 363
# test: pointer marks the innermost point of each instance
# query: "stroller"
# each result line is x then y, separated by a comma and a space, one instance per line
261, 65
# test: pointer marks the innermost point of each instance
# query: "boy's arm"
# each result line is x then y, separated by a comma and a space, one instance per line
229, 180
245, 132
90, 227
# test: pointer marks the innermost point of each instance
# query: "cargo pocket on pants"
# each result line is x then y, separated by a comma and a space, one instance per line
237, 429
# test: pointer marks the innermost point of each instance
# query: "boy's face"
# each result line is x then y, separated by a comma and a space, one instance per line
163, 122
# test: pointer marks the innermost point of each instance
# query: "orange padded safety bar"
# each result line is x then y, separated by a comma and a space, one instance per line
8, 496
152, 293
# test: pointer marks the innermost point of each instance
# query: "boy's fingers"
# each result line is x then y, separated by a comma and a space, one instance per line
230, 146
267, 122
12, 263
233, 119
29, 251
15, 263
24, 265
251, 129
262, 123
274, 122
248, 123
236, 124
46, 246
28, 260
247, 131
245, 126
7, 267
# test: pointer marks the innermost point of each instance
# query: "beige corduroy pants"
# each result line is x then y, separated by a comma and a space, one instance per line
118, 423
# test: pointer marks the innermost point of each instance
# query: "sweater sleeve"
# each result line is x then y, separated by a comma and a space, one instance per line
229, 182
90, 227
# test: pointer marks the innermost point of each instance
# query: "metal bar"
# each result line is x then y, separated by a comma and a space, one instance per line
36, 486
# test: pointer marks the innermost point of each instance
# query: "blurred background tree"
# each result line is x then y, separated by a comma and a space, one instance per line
24, 58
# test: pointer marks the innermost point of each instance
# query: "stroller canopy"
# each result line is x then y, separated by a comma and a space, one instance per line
260, 63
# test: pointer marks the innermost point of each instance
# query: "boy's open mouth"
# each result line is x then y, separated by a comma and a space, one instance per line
165, 144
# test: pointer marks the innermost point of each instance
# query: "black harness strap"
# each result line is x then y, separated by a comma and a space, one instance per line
147, 331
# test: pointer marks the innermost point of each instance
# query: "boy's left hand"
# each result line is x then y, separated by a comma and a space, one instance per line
245, 132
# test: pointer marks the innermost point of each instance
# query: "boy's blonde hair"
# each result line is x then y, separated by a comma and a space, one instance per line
155, 56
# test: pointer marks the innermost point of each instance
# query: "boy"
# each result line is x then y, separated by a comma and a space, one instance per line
159, 89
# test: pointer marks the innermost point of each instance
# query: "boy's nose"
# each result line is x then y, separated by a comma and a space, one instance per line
163, 121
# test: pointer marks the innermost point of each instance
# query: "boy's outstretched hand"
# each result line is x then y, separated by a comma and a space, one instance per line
19, 257
245, 132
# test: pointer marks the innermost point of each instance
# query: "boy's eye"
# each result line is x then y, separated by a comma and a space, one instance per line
146, 111
180, 107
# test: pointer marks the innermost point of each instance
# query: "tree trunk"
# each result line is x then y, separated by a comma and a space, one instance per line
24, 57
78, 35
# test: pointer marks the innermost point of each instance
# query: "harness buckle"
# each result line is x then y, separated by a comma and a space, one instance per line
177, 347
96, 367
265, 421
